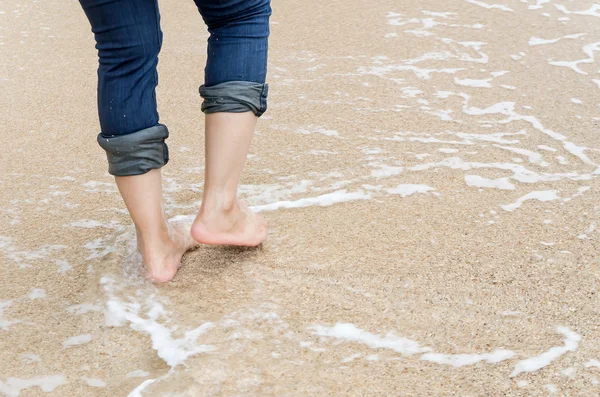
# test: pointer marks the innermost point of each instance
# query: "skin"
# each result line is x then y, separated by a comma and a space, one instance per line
222, 218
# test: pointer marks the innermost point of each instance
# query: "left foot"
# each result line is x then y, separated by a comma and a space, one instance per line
162, 258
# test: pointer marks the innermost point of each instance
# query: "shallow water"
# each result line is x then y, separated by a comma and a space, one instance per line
430, 173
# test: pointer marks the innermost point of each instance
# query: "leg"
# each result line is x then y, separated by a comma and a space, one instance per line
234, 97
128, 40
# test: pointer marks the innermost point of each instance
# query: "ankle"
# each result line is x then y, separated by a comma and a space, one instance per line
219, 202
151, 241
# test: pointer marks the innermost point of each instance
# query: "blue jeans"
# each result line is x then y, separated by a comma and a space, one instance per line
128, 40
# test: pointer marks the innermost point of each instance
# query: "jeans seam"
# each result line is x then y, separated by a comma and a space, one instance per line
263, 100
159, 42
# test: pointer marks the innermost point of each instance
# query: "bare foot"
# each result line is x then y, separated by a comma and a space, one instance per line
163, 258
237, 226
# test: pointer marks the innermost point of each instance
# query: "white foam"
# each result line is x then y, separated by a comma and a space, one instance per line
65, 178
99, 248
592, 363
500, 73
4, 323
508, 109
321, 152
405, 190
77, 340
580, 192
479, 181
532, 157
36, 293
351, 358
551, 388
547, 148
461, 360
577, 101
6, 243
594, 10
539, 4
93, 382
589, 230
317, 129
275, 192
447, 150
523, 383
481, 83
29, 358
340, 196
83, 308
538, 362
63, 265
14, 386
138, 373
589, 50
537, 41
490, 6
26, 258
350, 333
569, 372
173, 351
543, 196
520, 173
385, 171
137, 392
90, 224
444, 15
597, 82
422, 73
93, 187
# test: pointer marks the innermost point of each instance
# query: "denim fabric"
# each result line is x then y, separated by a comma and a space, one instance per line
235, 97
238, 41
137, 153
128, 40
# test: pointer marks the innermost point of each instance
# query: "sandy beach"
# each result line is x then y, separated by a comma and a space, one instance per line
429, 170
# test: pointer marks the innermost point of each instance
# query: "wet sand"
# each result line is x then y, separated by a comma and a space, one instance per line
429, 170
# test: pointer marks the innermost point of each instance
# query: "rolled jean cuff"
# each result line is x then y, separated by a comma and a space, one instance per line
235, 97
136, 153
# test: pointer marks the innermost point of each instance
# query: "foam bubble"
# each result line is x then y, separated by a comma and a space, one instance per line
490, 6
93, 382
77, 340
546, 195
351, 333
173, 351
138, 373
37, 293
460, 360
538, 362
48, 383
479, 181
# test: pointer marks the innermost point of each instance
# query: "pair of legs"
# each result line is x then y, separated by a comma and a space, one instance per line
128, 39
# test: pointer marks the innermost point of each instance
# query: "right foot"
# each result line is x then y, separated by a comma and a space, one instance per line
238, 226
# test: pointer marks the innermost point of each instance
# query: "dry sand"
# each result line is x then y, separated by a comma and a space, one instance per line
430, 173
